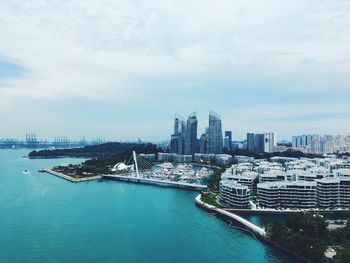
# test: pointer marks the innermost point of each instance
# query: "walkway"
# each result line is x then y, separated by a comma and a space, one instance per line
256, 229
154, 181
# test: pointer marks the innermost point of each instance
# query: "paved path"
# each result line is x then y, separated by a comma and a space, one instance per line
154, 181
256, 229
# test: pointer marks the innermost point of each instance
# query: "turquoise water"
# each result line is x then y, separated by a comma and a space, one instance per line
46, 219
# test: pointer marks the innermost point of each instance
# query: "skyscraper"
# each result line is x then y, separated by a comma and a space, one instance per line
269, 142
191, 134
251, 142
178, 137
294, 141
260, 142
203, 142
215, 141
228, 140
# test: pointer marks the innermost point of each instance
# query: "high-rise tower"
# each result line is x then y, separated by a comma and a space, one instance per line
215, 141
191, 134
178, 137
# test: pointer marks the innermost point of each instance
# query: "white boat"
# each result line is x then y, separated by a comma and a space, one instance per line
26, 172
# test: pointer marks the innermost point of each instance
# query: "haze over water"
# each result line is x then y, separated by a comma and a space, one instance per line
47, 219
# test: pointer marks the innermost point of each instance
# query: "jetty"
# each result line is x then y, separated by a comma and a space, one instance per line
69, 178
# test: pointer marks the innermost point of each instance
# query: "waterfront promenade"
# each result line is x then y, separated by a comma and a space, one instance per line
269, 211
133, 179
155, 181
249, 225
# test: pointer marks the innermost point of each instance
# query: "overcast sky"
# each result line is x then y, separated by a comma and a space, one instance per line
122, 69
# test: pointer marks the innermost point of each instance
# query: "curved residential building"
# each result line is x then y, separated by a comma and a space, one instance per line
295, 194
328, 192
234, 194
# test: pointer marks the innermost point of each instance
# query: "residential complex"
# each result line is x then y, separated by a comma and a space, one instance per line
320, 183
261, 142
321, 144
234, 194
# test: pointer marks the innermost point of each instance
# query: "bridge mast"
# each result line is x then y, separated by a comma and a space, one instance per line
136, 165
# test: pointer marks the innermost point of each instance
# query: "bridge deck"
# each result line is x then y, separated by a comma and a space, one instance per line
249, 225
155, 181
243, 221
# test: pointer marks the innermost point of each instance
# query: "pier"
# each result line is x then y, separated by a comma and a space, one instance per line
69, 178
168, 183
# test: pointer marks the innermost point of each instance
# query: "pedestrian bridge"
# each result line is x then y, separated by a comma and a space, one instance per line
261, 231
247, 224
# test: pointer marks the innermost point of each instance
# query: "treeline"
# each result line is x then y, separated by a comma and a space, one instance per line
306, 235
105, 156
214, 180
106, 149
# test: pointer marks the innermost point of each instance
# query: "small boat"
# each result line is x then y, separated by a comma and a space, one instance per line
26, 172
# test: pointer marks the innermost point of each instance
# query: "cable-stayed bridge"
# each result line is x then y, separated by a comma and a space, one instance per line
139, 170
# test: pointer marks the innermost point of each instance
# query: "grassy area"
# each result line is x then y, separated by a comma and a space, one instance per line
211, 195
210, 198
214, 180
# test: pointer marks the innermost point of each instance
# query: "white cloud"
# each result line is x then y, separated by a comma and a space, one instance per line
122, 49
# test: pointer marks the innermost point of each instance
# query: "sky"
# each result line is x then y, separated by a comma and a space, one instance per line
122, 69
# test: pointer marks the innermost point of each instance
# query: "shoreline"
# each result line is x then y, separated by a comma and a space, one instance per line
262, 236
69, 178
284, 212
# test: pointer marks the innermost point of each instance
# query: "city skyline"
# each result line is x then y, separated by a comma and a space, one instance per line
120, 69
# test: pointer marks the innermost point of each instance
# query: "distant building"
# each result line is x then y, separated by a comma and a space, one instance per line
294, 141
243, 159
251, 141
215, 140
238, 145
191, 134
269, 142
228, 140
203, 142
204, 158
177, 142
260, 142
149, 156
223, 159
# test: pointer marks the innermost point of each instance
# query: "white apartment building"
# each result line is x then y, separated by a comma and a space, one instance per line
234, 194
285, 194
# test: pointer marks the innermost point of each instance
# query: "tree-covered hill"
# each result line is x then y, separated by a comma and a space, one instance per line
105, 149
